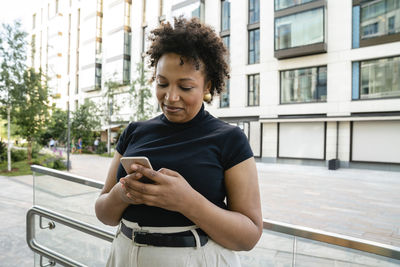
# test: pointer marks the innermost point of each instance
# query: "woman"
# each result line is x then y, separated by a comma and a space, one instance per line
182, 218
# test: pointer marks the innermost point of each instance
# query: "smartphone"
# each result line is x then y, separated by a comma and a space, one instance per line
144, 161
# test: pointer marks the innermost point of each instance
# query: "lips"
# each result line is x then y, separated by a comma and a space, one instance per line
171, 109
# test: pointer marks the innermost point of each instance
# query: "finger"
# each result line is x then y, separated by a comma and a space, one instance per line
169, 172
156, 176
139, 188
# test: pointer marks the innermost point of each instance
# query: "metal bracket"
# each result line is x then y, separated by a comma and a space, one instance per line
51, 225
50, 263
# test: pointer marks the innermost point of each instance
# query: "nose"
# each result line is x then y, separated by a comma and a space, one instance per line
172, 95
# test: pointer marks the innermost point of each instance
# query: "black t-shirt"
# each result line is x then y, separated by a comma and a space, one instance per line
200, 150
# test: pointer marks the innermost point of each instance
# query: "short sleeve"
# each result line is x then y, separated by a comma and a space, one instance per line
236, 148
123, 140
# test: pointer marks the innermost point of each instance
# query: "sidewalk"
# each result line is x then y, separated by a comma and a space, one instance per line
359, 203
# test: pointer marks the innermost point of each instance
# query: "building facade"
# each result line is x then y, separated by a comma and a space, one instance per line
311, 80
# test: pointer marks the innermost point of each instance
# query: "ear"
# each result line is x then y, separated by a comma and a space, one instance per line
207, 88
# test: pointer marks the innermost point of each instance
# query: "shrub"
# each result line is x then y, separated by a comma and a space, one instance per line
18, 155
102, 148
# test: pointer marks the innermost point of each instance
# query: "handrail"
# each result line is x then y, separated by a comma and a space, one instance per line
70, 222
67, 176
333, 238
290, 229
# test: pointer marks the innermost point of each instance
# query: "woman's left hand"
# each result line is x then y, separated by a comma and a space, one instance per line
170, 190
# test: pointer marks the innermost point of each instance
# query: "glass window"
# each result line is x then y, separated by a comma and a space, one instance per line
254, 11
253, 90
126, 71
127, 43
189, 10
380, 78
225, 15
299, 29
98, 76
282, 4
303, 85
224, 97
254, 46
380, 18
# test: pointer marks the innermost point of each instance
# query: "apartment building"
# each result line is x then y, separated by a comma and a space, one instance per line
311, 80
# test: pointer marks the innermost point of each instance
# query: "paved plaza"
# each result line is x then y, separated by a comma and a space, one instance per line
354, 202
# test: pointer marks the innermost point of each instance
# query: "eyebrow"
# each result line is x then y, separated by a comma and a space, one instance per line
182, 79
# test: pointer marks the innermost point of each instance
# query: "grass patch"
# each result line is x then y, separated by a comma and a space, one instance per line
107, 155
17, 168
24, 168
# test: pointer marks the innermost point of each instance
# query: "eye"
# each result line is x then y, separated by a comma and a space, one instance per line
185, 88
162, 85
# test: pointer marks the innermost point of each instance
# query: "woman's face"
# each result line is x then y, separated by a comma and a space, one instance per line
180, 87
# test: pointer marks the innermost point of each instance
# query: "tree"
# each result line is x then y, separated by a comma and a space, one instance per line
140, 89
85, 121
110, 107
12, 59
57, 127
31, 107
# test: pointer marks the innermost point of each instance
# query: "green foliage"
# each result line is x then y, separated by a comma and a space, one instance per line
102, 148
85, 122
140, 88
56, 127
18, 168
13, 57
30, 110
3, 151
18, 155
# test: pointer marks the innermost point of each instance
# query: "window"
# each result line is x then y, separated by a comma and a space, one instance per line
254, 32
225, 35
254, 46
382, 14
253, 90
378, 78
282, 4
188, 9
224, 97
99, 42
254, 11
126, 75
97, 84
299, 29
375, 22
303, 85
225, 15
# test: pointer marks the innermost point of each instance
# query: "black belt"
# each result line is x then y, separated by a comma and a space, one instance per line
181, 239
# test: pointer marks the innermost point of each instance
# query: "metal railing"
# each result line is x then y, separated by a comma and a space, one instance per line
285, 228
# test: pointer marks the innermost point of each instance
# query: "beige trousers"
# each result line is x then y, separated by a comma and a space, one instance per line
125, 253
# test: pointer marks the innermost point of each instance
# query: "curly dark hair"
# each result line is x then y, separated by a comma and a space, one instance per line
195, 41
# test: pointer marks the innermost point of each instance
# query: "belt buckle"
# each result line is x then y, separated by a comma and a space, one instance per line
139, 232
